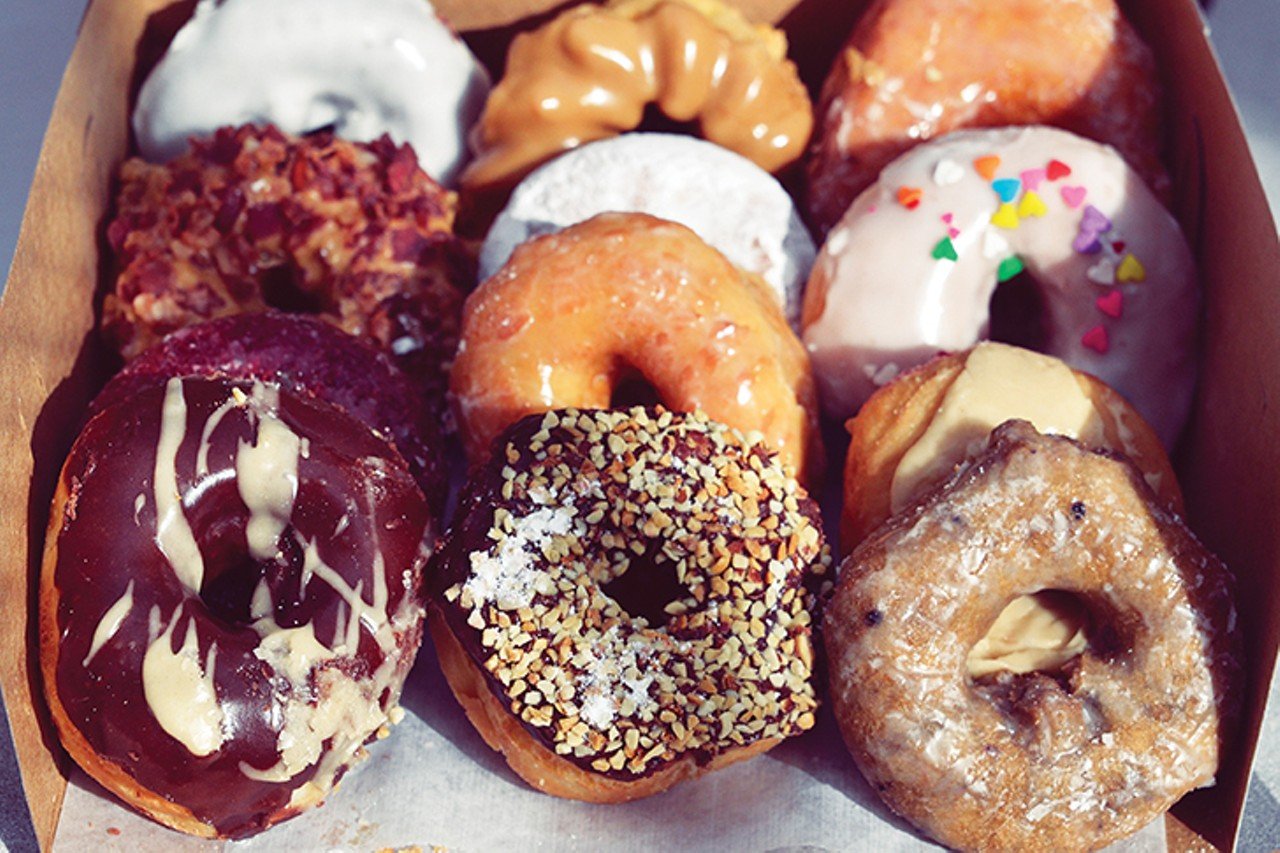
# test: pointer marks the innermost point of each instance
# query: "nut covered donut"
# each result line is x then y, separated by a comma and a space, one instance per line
252, 218
913, 70
912, 267
574, 314
585, 698
590, 72
1074, 759
250, 622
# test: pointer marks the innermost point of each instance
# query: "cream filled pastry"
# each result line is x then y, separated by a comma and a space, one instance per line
363, 68
912, 267
735, 206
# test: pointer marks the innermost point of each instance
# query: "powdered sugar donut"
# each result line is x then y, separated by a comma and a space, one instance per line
735, 206
365, 69
911, 268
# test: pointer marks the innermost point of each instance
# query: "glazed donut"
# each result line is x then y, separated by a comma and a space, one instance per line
307, 357
574, 315
222, 663
1038, 761
590, 72
913, 70
361, 69
914, 432
252, 218
739, 209
912, 267
589, 699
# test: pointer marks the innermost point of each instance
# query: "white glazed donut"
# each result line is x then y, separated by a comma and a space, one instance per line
731, 203
911, 268
365, 68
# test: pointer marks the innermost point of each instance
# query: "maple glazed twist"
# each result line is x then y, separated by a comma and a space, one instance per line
590, 72
585, 698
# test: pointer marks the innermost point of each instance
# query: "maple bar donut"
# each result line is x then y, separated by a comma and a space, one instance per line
590, 72
254, 218
309, 357
914, 432
597, 696
1070, 759
249, 627
360, 69
912, 267
913, 70
575, 315
735, 206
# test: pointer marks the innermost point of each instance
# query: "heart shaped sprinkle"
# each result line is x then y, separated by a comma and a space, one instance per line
945, 250
1031, 205
909, 197
948, 217
1096, 340
947, 172
986, 166
1110, 303
1005, 217
1009, 267
1131, 269
1033, 178
1103, 272
1007, 188
1056, 169
1073, 196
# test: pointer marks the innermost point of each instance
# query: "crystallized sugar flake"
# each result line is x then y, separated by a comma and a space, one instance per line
508, 578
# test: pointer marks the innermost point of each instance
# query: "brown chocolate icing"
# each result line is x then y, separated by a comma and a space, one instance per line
358, 527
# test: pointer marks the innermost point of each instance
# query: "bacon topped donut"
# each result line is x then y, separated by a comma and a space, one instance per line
552, 630
253, 218
229, 600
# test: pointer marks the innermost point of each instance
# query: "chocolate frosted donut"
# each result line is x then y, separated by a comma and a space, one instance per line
582, 514
308, 357
1070, 759
229, 600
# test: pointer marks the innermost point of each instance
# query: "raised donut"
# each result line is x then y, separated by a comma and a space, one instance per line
362, 69
254, 612
914, 432
587, 698
590, 72
911, 269
253, 218
1038, 761
738, 208
913, 70
308, 357
574, 314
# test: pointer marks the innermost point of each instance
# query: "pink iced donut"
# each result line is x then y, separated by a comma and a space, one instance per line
911, 268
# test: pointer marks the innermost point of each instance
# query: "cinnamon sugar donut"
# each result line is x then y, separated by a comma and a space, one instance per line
914, 432
248, 625
252, 218
586, 695
913, 70
1037, 761
590, 72
574, 314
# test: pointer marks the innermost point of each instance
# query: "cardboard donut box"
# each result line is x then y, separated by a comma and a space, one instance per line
52, 362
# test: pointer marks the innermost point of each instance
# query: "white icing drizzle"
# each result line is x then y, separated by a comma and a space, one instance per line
173, 533
110, 622
267, 475
179, 692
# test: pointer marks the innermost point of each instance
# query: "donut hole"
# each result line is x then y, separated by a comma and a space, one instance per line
631, 388
645, 588
1017, 314
1045, 632
280, 291
654, 120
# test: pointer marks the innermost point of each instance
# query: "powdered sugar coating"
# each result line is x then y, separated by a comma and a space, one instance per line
735, 206
1134, 723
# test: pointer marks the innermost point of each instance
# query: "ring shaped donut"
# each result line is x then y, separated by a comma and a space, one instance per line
586, 699
1034, 761
591, 72
249, 626
574, 314
912, 267
915, 70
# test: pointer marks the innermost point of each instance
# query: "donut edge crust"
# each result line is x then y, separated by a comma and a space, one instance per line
897, 415
531, 760
103, 771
